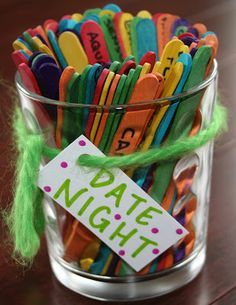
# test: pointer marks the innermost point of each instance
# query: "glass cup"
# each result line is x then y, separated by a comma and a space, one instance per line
79, 260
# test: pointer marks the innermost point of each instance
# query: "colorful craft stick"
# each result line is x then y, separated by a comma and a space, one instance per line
183, 119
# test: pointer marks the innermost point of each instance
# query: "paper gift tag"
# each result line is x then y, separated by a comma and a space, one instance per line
111, 205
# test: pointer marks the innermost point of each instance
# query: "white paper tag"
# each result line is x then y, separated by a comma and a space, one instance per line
111, 205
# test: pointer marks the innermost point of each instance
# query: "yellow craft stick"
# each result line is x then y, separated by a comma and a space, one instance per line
144, 14
45, 49
77, 17
145, 69
89, 254
107, 264
38, 42
156, 67
73, 51
184, 49
107, 12
102, 100
18, 45
169, 57
85, 263
170, 86
124, 27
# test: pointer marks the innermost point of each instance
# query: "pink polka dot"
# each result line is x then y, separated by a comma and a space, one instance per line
47, 188
82, 143
64, 164
179, 231
117, 217
155, 251
122, 252
155, 230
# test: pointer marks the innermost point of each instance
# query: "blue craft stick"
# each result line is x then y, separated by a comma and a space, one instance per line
93, 76
146, 37
112, 7
53, 40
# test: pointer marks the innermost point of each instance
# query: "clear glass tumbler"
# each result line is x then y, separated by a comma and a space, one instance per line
78, 259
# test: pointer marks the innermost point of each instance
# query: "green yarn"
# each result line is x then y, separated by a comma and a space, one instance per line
26, 219
170, 151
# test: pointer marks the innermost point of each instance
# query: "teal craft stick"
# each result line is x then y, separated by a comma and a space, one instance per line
53, 41
208, 33
77, 27
146, 37
66, 25
186, 59
71, 124
112, 7
101, 259
134, 38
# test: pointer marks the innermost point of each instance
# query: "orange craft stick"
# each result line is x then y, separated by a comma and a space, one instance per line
42, 33
77, 242
201, 28
211, 40
133, 124
164, 29
106, 113
64, 80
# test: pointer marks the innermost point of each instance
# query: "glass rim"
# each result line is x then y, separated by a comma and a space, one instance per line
169, 99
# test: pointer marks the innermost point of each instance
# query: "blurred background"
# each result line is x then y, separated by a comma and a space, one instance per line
217, 282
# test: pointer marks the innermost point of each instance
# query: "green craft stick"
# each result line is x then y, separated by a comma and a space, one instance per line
110, 119
180, 30
115, 66
82, 84
72, 127
127, 58
183, 120
133, 35
136, 75
113, 47
92, 11
117, 117
30, 41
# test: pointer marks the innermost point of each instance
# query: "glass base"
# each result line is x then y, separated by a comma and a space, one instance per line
129, 288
